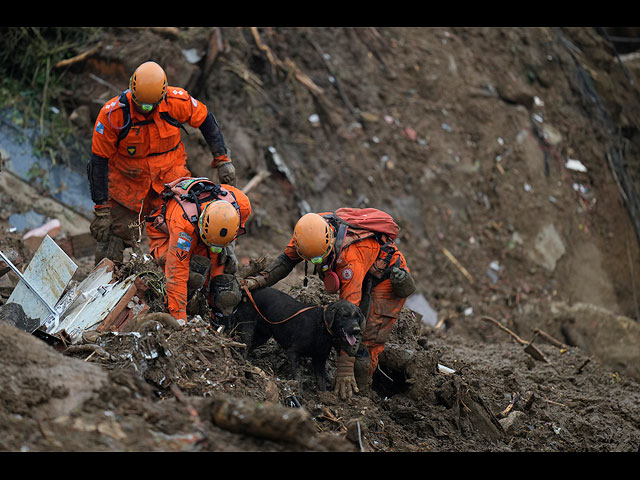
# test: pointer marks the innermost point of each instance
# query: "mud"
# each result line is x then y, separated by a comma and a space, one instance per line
439, 127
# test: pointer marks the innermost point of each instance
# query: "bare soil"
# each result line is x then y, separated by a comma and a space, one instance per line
463, 135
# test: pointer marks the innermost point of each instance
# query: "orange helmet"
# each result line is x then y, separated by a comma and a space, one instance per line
218, 224
148, 85
313, 238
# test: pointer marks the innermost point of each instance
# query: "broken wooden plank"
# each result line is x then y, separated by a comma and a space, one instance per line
458, 265
257, 178
529, 347
79, 58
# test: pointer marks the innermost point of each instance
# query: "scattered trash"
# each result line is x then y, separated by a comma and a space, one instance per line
446, 127
580, 188
33, 238
527, 187
537, 118
445, 370
575, 165
493, 276
538, 102
43, 282
280, 165
314, 118
65, 309
410, 133
419, 305
468, 311
192, 55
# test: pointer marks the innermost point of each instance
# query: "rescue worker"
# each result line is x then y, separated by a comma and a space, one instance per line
184, 230
364, 269
137, 148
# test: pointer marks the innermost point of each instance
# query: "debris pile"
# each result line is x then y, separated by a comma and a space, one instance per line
523, 334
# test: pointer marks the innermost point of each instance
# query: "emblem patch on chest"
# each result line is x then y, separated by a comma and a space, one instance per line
347, 274
131, 150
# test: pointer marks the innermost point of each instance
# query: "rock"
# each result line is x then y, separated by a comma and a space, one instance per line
548, 247
512, 422
13, 314
613, 339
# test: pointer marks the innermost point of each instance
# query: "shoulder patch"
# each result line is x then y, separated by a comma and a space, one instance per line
99, 128
184, 242
176, 92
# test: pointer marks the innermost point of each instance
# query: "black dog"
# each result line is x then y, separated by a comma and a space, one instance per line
311, 333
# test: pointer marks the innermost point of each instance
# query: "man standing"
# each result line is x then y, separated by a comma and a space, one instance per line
137, 148
364, 266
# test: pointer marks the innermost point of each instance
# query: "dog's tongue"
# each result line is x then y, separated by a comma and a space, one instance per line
350, 339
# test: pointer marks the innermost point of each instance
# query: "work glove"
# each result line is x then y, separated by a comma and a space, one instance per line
254, 282
101, 224
227, 173
398, 275
402, 282
228, 258
345, 381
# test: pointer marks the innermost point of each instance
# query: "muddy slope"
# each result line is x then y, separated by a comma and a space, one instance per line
463, 134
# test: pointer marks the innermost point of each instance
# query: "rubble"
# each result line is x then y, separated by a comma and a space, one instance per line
135, 381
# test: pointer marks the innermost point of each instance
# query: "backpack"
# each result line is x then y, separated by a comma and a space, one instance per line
370, 219
190, 193
355, 224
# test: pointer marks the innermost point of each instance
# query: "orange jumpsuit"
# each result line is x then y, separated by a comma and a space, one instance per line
353, 263
151, 154
174, 250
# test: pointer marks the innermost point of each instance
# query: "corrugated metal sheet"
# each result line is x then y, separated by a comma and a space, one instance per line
95, 298
49, 273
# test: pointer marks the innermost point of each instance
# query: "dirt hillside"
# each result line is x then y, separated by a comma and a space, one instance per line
468, 137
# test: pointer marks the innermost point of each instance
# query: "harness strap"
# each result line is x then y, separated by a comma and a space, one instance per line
324, 309
124, 131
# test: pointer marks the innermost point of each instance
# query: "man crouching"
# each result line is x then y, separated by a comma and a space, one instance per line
199, 220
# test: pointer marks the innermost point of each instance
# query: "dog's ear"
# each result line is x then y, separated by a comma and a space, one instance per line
330, 314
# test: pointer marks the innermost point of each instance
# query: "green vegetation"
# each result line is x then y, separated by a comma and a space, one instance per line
31, 86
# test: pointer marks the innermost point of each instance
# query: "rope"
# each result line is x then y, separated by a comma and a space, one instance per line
250, 297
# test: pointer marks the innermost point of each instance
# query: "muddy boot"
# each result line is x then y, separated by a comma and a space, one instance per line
361, 371
113, 249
